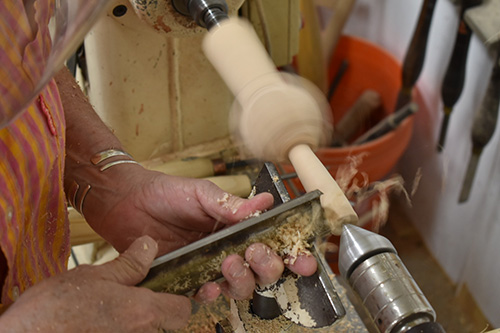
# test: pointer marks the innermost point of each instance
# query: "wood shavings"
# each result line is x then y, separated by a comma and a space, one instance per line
253, 192
346, 175
382, 189
359, 191
224, 199
416, 182
328, 247
292, 238
254, 214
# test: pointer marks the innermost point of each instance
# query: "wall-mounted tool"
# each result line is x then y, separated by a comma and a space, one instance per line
483, 127
415, 55
455, 74
371, 265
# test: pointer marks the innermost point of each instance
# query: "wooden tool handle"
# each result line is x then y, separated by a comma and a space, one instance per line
194, 168
483, 127
454, 78
352, 121
485, 118
455, 74
415, 55
314, 176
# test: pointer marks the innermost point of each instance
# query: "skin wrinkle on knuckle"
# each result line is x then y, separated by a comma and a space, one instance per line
130, 267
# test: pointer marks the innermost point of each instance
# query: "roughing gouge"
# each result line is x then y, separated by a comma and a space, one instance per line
455, 74
415, 55
483, 127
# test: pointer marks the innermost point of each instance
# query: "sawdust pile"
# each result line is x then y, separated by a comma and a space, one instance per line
293, 237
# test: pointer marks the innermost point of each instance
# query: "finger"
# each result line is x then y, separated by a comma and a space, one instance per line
208, 293
234, 209
266, 264
132, 265
240, 281
304, 264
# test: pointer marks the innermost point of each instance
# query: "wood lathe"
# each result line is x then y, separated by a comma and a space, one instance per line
277, 121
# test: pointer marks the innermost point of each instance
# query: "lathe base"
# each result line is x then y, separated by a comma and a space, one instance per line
355, 320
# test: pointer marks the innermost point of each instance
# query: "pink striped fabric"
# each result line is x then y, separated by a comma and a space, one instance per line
34, 233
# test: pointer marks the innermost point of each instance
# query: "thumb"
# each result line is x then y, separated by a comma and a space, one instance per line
132, 266
234, 209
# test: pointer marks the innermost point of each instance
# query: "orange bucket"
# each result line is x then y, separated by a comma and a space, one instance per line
369, 67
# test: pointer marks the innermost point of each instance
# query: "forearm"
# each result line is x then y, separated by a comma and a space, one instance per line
87, 135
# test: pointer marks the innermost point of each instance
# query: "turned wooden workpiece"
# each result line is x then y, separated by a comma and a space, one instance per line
278, 121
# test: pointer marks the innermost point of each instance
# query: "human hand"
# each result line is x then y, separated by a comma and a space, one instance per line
174, 211
99, 299
177, 211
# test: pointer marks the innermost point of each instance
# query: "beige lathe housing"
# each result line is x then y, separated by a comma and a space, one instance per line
151, 84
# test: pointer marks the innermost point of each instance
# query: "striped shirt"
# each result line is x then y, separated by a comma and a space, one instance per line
34, 231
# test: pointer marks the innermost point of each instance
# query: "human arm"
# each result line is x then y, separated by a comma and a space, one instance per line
127, 201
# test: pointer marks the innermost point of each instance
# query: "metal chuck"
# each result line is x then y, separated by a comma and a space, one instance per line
206, 13
371, 265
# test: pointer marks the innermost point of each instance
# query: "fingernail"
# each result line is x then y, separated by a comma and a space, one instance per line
236, 269
261, 255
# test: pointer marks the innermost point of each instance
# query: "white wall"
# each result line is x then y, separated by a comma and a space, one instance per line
463, 237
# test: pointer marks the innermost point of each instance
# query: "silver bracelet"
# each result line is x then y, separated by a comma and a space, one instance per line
75, 199
104, 155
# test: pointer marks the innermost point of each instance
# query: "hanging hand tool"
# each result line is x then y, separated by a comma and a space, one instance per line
484, 125
415, 56
355, 117
387, 124
455, 74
